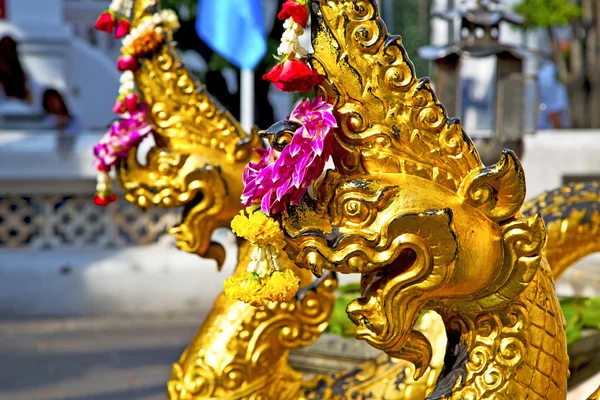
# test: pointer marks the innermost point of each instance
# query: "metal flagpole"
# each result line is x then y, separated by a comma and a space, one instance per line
247, 99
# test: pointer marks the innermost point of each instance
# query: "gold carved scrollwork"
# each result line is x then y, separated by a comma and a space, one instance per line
200, 150
387, 116
241, 351
498, 191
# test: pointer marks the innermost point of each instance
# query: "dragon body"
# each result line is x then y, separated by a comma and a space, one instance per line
514, 347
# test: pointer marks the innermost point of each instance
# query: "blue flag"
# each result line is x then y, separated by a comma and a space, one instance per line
235, 29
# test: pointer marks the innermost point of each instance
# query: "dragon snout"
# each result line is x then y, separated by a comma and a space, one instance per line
365, 313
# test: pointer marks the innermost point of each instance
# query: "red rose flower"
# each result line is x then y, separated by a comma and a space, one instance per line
127, 63
292, 76
131, 102
295, 10
122, 29
104, 199
105, 22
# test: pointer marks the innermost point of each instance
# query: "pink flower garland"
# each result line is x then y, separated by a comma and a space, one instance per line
281, 178
122, 136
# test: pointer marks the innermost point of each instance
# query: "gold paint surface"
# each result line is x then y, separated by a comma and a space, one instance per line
427, 225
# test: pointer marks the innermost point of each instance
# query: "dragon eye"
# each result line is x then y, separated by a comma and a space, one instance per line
358, 202
355, 212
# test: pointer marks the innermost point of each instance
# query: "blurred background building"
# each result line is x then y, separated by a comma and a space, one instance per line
63, 257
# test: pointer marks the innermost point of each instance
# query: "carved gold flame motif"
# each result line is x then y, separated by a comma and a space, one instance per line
410, 206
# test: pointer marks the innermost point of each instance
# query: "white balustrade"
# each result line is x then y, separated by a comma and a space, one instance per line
62, 255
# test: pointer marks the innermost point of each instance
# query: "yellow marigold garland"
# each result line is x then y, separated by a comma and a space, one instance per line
258, 292
266, 279
257, 227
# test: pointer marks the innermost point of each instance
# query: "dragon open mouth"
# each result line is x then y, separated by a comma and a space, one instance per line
373, 282
367, 312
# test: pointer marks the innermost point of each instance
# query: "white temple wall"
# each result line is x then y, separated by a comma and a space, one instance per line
54, 58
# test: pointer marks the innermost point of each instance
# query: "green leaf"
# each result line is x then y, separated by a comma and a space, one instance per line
590, 313
580, 313
339, 323
547, 13
571, 310
353, 287
573, 333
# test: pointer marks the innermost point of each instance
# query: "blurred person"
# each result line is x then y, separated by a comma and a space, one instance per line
19, 93
12, 75
554, 112
58, 115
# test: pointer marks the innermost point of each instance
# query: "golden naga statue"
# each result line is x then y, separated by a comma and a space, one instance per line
410, 207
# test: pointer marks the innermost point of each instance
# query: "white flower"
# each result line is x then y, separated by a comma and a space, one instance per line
126, 89
290, 44
301, 51
128, 85
167, 15
289, 36
264, 260
145, 26
116, 5
102, 182
126, 76
285, 48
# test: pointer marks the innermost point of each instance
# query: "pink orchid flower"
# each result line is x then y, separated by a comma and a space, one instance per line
281, 178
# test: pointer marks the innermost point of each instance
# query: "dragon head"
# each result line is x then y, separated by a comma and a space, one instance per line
409, 206
200, 151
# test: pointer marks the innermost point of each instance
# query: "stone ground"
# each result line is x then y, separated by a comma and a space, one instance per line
111, 358
91, 359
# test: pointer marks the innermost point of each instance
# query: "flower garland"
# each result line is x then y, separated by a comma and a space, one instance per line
293, 73
113, 19
266, 279
122, 136
145, 38
141, 41
282, 176
279, 178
